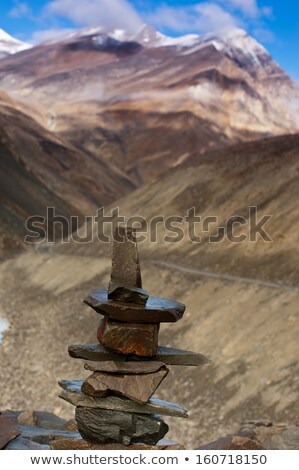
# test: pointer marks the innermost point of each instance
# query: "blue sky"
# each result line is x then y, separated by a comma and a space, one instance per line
274, 23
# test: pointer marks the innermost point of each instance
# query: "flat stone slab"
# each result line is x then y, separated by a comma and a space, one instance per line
176, 357
26, 444
82, 444
9, 428
122, 367
156, 310
129, 338
138, 388
72, 393
104, 426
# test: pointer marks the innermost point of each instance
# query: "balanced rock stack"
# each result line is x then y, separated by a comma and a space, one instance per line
115, 404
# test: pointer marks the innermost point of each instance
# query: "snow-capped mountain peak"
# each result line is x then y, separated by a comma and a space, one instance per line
10, 45
236, 38
234, 42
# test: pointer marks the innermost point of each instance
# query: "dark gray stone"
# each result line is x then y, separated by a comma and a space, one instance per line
156, 310
125, 260
72, 393
179, 357
105, 426
133, 295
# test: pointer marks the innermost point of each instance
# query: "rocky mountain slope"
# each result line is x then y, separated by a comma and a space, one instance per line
145, 103
241, 299
40, 170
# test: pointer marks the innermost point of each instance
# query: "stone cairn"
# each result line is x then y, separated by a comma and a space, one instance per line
114, 405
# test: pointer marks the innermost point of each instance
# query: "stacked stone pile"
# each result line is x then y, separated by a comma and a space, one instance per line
115, 404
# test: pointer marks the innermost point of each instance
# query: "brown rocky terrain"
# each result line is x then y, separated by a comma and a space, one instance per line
241, 298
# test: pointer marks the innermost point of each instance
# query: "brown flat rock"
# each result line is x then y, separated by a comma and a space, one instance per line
82, 444
179, 357
28, 418
156, 310
129, 338
122, 367
72, 393
9, 428
94, 388
138, 388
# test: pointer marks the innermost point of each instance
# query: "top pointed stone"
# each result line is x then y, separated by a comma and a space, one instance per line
126, 283
125, 260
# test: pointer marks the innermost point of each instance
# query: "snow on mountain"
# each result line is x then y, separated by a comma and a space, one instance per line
10, 45
226, 39
233, 41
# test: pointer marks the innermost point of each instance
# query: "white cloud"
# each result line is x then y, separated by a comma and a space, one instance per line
212, 17
20, 9
108, 13
199, 18
46, 35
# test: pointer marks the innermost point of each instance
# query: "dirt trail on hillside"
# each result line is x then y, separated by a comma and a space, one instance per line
225, 277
